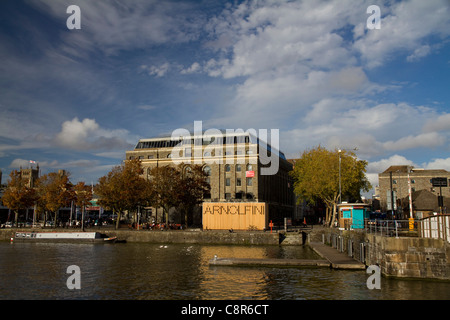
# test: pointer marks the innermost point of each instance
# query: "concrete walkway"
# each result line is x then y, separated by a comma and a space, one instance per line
247, 262
338, 260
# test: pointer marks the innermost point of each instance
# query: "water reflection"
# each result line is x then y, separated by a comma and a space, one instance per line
152, 271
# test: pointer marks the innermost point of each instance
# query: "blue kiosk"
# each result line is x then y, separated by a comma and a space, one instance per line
352, 215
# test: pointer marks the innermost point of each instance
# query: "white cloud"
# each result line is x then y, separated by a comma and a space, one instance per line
419, 53
441, 123
111, 26
405, 28
428, 140
87, 135
438, 164
194, 68
158, 71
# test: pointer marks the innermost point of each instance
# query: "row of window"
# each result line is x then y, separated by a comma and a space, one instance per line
237, 167
188, 153
197, 142
237, 195
249, 181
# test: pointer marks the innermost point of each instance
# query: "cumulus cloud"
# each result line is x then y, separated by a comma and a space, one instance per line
405, 28
438, 164
429, 140
87, 135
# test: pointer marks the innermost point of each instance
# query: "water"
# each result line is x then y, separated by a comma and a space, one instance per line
137, 271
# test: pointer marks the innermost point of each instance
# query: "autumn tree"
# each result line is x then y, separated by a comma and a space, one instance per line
124, 188
191, 188
165, 188
18, 194
55, 191
316, 177
82, 198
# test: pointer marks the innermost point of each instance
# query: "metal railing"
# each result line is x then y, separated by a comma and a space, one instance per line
391, 228
436, 227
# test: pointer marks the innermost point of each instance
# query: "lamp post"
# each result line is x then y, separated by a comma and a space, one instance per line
340, 187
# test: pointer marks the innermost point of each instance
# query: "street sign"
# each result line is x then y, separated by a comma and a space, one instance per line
439, 182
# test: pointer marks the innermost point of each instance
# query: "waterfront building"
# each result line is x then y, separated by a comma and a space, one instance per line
240, 167
404, 179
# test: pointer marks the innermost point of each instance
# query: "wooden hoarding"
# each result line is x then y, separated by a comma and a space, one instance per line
236, 216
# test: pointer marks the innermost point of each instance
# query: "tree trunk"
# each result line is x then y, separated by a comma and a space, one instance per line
334, 215
118, 219
16, 217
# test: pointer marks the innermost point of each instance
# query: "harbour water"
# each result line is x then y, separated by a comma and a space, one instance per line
140, 271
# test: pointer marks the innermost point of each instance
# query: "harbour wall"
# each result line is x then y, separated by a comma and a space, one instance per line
172, 236
401, 257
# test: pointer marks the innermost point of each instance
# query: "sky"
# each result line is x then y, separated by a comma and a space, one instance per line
317, 71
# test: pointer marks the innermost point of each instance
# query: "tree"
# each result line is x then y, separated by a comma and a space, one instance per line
83, 197
165, 188
316, 176
18, 195
124, 188
55, 191
192, 187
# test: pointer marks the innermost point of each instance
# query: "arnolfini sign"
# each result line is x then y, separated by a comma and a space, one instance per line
236, 216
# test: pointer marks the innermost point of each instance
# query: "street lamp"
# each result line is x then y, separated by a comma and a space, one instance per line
340, 187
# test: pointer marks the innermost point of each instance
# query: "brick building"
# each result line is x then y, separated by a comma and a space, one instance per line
420, 179
235, 162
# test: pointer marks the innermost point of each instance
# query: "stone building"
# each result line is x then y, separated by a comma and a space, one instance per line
420, 179
240, 167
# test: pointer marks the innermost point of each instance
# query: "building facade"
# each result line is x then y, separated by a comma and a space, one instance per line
236, 165
401, 177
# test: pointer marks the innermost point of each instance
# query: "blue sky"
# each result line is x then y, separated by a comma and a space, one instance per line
78, 99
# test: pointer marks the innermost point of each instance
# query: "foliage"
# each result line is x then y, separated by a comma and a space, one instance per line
55, 191
18, 195
191, 188
83, 197
124, 188
316, 176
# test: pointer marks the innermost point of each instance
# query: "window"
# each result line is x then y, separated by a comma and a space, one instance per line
207, 170
227, 182
150, 156
249, 167
228, 196
238, 168
187, 171
141, 157
187, 152
249, 181
413, 181
227, 168
238, 182
394, 181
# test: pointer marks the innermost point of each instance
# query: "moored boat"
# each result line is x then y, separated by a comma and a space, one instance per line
65, 236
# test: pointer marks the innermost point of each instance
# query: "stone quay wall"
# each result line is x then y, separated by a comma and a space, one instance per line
170, 236
402, 257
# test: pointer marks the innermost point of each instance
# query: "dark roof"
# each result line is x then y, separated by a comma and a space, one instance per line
424, 200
